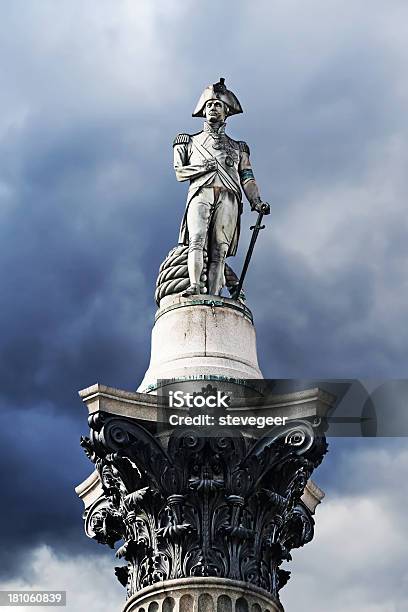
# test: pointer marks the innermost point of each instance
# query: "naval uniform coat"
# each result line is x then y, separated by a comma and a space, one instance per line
190, 153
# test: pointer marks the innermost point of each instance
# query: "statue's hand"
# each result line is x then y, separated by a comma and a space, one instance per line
261, 207
210, 165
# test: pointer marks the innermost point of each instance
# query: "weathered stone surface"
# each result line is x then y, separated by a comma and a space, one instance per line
202, 335
219, 170
91, 490
202, 595
193, 504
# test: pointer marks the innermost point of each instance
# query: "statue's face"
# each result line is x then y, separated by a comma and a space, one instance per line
215, 111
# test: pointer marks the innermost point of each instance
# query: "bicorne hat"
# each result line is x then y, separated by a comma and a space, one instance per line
218, 91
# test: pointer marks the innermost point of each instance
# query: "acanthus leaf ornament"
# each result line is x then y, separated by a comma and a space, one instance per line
224, 506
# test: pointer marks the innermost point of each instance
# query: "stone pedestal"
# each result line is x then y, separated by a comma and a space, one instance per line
201, 336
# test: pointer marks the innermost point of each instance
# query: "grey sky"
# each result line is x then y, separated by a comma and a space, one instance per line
92, 95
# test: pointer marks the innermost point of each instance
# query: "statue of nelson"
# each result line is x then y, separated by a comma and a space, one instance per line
217, 167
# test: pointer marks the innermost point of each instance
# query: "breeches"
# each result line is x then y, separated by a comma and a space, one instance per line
212, 218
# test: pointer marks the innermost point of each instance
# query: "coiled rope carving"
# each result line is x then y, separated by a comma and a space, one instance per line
173, 275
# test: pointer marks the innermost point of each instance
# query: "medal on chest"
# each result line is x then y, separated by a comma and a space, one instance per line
222, 144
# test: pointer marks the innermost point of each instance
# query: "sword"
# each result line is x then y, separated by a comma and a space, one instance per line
255, 231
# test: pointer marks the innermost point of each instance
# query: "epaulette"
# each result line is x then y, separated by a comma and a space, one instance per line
243, 147
181, 139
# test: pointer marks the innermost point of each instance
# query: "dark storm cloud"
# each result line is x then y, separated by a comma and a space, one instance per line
92, 97
67, 260
39, 469
91, 206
